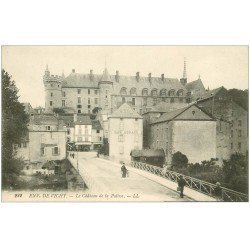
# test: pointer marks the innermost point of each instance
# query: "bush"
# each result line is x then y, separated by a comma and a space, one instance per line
179, 160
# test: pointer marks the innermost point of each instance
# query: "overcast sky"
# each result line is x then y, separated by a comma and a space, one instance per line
217, 65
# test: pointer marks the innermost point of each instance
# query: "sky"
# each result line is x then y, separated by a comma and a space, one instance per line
217, 65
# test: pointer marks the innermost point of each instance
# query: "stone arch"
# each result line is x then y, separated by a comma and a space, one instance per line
171, 92
133, 91
123, 91
145, 92
180, 92
163, 92
154, 92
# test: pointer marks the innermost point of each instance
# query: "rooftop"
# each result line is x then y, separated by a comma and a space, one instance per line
125, 111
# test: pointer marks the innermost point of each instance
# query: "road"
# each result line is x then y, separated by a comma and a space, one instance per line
104, 177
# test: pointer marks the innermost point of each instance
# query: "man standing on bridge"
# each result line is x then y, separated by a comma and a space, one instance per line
181, 184
124, 170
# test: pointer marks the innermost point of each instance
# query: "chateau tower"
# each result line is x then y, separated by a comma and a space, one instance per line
106, 88
53, 92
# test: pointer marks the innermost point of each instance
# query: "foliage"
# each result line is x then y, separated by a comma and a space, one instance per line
240, 97
179, 160
235, 173
14, 124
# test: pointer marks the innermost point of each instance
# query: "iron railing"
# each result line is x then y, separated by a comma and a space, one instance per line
204, 187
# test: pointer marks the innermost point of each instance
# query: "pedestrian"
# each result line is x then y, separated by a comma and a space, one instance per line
181, 184
124, 170
218, 191
73, 155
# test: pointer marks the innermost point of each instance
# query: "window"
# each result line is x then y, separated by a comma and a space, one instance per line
64, 94
89, 110
79, 106
96, 100
48, 128
145, 92
120, 138
133, 91
50, 103
171, 92
78, 91
163, 92
123, 91
51, 94
180, 99
144, 101
239, 133
55, 151
100, 138
79, 138
239, 123
89, 91
63, 103
172, 100
86, 138
25, 144
239, 146
97, 131
154, 101
154, 92
79, 99
79, 111
180, 92
232, 133
43, 152
232, 145
89, 106
123, 100
88, 100
133, 101
95, 91
68, 131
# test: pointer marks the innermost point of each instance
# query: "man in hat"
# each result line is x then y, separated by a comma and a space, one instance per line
124, 170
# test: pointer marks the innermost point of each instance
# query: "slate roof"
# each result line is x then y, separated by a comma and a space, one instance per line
175, 113
43, 119
211, 93
96, 125
166, 107
74, 80
125, 111
197, 84
83, 120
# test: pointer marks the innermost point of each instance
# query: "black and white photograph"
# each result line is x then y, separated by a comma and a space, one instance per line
125, 123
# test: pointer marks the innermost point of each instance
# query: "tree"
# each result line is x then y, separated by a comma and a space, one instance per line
235, 172
14, 124
179, 160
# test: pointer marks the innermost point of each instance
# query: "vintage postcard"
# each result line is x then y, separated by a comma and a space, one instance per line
124, 123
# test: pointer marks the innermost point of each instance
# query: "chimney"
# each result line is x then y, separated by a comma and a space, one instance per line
91, 76
149, 77
137, 76
117, 76
162, 77
73, 71
75, 117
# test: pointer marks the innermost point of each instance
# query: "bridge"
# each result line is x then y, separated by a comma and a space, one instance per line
145, 182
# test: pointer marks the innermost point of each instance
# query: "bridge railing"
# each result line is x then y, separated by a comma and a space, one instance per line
201, 186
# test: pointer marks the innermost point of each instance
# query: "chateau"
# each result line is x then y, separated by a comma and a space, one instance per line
81, 93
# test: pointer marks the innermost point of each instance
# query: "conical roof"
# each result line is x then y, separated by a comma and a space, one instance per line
125, 111
105, 76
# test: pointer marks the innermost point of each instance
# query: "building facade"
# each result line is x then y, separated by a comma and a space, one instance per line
46, 140
188, 130
125, 133
82, 93
232, 122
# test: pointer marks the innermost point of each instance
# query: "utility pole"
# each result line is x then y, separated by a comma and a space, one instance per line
77, 159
